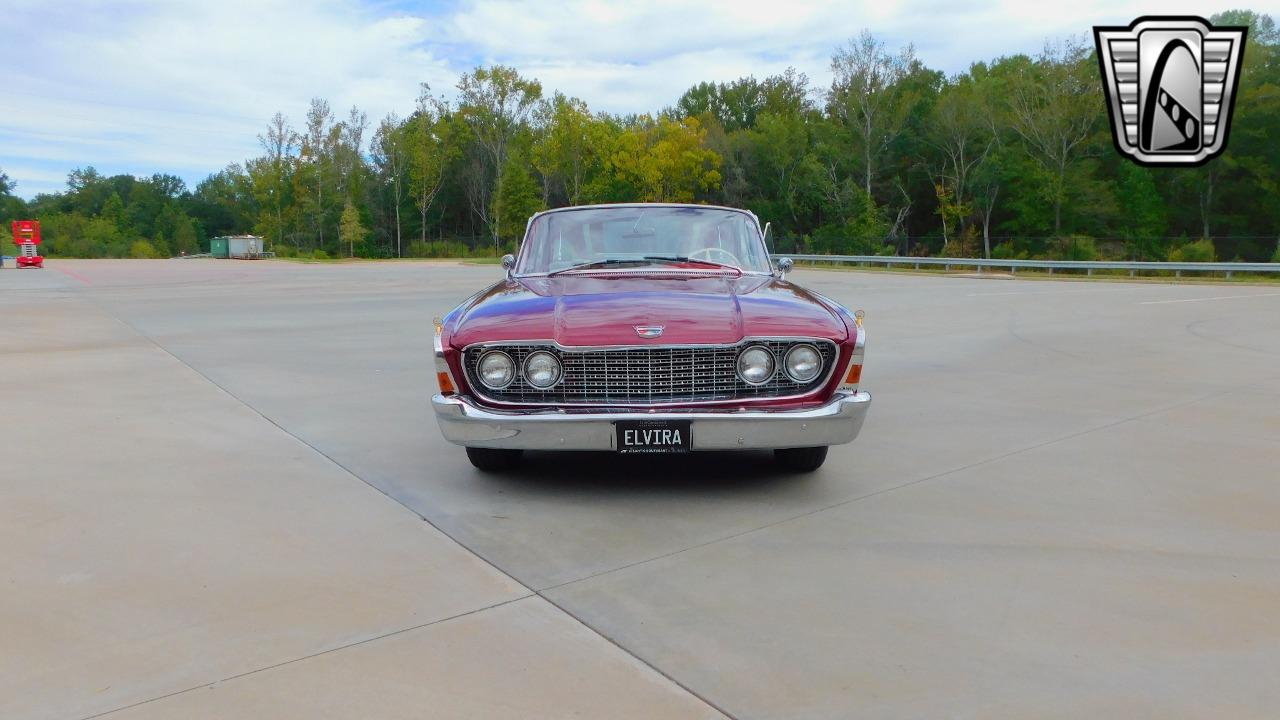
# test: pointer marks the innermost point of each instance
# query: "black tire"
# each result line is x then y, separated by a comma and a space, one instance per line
801, 459
494, 459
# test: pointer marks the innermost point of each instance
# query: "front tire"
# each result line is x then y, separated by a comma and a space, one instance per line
493, 459
801, 459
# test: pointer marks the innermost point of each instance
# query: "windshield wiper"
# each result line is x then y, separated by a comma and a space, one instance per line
599, 263
647, 259
696, 261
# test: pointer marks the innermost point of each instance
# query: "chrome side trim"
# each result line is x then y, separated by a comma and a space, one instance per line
442, 365
855, 358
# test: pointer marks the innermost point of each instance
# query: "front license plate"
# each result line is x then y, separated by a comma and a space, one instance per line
653, 436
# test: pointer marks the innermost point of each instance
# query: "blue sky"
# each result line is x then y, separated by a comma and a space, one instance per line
185, 87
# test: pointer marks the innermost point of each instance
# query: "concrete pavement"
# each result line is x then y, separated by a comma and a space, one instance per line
1063, 503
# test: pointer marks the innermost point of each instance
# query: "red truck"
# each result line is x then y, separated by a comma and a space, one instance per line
26, 235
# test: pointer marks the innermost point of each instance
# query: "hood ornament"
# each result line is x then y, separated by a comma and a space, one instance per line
649, 331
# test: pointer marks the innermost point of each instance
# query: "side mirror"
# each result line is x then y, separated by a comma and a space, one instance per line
508, 262
784, 265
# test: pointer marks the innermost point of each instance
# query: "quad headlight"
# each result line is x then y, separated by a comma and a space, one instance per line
496, 370
542, 370
803, 363
755, 365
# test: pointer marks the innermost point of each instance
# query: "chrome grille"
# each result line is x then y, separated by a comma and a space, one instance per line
647, 375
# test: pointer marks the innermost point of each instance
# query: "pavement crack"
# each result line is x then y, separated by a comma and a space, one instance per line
291, 661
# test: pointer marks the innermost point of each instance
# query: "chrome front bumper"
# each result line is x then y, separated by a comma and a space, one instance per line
835, 423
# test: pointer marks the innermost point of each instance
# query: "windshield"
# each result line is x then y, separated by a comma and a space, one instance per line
642, 235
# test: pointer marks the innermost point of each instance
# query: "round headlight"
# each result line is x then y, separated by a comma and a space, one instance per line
542, 369
496, 370
755, 365
803, 363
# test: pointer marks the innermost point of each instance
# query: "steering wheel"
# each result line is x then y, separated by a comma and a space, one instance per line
733, 259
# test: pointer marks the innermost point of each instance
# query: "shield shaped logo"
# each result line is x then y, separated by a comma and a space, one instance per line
649, 331
1171, 85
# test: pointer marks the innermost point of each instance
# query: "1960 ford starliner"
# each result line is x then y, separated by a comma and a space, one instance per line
648, 328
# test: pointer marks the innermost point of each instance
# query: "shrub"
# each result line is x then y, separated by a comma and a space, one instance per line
964, 245
1198, 251
1007, 251
319, 254
143, 249
1276, 257
1076, 247
284, 251
436, 249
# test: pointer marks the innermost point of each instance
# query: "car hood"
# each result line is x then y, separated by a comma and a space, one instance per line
605, 309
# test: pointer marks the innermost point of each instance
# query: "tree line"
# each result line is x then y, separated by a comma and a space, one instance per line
1011, 158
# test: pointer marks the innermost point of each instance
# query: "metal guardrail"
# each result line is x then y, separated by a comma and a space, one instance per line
1012, 265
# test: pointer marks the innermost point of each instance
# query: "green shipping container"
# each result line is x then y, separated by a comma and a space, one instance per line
218, 247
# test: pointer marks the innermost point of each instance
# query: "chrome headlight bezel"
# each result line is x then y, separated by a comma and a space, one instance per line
498, 356
788, 364
763, 359
555, 363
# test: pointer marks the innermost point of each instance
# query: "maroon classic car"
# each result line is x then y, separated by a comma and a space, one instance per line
648, 328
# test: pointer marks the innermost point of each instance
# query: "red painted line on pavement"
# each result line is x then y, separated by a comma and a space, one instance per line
75, 275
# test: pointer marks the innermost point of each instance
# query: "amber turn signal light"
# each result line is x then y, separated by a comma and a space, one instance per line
446, 385
855, 375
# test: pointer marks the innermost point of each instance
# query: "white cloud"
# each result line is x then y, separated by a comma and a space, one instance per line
186, 86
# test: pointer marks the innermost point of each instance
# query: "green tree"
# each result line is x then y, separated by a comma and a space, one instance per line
496, 103
185, 239
350, 230
143, 249
6, 241
568, 149
11, 207
316, 163
101, 238
391, 154
517, 198
869, 99
1143, 213
664, 160
962, 130
780, 144
270, 176
433, 144
1055, 111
